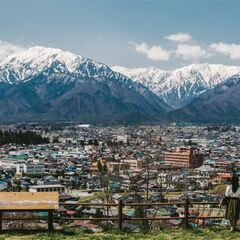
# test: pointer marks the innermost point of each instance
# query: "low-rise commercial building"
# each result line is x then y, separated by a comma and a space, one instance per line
47, 188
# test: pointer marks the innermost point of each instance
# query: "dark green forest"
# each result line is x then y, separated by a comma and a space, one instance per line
20, 137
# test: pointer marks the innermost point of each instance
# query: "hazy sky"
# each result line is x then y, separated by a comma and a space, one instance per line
164, 34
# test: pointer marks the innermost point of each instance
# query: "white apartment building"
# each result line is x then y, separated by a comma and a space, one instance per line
33, 168
22, 166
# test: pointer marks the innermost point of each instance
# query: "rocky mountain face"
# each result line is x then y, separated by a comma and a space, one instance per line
51, 84
42, 84
179, 87
219, 105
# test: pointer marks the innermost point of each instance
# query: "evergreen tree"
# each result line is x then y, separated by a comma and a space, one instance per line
19, 137
95, 143
100, 167
82, 143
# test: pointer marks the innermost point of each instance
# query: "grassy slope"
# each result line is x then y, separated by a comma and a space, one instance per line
203, 234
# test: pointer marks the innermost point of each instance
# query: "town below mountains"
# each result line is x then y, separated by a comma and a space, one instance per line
91, 165
47, 84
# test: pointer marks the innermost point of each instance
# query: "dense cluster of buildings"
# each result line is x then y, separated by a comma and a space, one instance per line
140, 163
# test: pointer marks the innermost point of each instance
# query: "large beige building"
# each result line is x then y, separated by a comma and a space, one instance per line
184, 157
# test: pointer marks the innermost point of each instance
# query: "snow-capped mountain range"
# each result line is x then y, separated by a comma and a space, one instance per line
218, 105
24, 65
180, 86
50, 84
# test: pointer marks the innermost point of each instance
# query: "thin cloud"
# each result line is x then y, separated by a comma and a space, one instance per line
191, 52
7, 49
179, 37
152, 52
230, 50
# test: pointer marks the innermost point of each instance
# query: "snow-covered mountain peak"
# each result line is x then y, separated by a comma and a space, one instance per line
47, 83
25, 64
209, 74
180, 85
146, 76
41, 57
138, 71
40, 53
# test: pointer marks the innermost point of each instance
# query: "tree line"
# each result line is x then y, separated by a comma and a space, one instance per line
19, 137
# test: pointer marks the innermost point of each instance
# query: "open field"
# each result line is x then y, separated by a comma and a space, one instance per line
200, 234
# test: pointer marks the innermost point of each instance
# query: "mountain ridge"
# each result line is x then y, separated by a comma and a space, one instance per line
51, 84
180, 86
43, 83
218, 105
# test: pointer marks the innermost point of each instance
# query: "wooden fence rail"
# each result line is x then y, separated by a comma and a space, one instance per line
120, 216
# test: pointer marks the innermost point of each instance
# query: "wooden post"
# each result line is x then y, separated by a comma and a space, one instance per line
186, 213
107, 218
1, 213
50, 221
120, 205
204, 222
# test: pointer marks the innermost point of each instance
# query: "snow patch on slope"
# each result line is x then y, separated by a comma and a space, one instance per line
178, 86
21, 66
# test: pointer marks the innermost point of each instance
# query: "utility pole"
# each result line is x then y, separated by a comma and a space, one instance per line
147, 182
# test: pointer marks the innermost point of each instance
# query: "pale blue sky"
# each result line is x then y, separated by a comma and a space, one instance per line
125, 32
